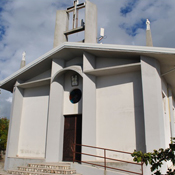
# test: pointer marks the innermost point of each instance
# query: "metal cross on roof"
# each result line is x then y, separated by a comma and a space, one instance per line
75, 9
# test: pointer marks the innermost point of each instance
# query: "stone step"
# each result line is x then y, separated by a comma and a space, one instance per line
44, 170
51, 163
34, 173
51, 166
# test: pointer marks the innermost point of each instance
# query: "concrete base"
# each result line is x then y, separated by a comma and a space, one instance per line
94, 170
13, 162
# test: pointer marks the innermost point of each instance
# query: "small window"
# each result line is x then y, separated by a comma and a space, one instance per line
75, 96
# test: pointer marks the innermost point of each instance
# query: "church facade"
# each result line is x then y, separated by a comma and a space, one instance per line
111, 96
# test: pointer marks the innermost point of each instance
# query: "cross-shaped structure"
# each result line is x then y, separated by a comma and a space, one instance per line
75, 9
62, 29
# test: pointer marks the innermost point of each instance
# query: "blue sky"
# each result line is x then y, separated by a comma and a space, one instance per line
132, 29
127, 8
28, 25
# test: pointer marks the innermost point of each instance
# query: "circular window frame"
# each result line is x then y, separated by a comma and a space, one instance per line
75, 96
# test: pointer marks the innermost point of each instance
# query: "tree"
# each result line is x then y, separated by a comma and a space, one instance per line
157, 157
4, 124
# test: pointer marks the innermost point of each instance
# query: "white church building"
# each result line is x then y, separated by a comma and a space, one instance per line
111, 96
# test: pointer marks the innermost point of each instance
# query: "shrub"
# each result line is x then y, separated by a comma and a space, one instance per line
4, 123
157, 157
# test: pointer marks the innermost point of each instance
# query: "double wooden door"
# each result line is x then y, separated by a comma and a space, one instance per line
72, 134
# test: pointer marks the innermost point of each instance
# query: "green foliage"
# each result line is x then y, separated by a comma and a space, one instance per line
4, 123
157, 157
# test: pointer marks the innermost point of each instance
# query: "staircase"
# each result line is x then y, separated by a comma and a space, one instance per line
44, 169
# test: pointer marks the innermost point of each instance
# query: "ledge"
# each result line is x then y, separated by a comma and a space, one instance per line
79, 29
36, 83
114, 70
32, 158
79, 6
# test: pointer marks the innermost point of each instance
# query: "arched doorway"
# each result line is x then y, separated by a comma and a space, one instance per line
72, 111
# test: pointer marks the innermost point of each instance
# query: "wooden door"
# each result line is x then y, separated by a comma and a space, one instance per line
72, 134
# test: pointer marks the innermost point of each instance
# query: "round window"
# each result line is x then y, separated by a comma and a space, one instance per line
75, 95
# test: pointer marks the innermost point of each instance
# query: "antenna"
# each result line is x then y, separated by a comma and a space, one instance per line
102, 31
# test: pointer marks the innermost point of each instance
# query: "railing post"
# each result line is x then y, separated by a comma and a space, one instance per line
105, 159
142, 167
73, 152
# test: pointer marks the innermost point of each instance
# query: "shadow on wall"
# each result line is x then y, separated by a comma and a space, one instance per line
139, 116
37, 91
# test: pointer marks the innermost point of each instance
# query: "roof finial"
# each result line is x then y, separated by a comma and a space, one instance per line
23, 61
23, 56
147, 24
148, 34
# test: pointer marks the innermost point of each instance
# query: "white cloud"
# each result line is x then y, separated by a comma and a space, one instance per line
29, 26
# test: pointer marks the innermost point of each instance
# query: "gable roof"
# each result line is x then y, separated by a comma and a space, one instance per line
69, 50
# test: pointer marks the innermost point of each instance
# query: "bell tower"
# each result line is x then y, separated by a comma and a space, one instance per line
89, 26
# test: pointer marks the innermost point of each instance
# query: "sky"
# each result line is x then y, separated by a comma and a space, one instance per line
28, 25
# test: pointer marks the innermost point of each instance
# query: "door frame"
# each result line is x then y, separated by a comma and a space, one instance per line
78, 126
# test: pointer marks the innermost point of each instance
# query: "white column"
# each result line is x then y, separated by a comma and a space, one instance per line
55, 129
153, 107
89, 108
15, 122
61, 26
90, 23
171, 111
148, 34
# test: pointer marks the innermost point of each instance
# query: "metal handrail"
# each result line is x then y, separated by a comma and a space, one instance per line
104, 148
105, 158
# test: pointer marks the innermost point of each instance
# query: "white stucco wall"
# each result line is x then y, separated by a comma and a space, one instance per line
120, 113
70, 108
34, 122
